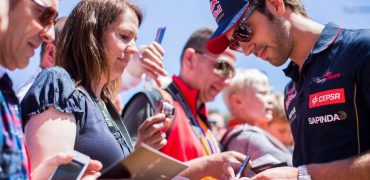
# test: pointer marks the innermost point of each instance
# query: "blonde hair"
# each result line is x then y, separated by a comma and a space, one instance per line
244, 78
278, 111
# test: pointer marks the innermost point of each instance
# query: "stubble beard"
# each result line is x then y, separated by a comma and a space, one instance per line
282, 42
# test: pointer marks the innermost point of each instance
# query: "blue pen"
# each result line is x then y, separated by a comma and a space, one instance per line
242, 167
158, 39
160, 34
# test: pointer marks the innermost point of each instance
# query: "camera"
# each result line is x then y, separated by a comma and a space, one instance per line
162, 106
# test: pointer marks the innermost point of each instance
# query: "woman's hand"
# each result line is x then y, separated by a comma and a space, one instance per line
220, 166
153, 131
149, 60
51, 163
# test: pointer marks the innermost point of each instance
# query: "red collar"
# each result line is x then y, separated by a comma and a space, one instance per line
190, 94
234, 122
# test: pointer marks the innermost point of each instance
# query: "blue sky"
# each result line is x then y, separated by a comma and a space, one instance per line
182, 17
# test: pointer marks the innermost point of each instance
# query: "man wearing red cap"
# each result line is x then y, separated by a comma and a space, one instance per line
327, 102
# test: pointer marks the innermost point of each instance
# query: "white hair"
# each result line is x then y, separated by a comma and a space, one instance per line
243, 79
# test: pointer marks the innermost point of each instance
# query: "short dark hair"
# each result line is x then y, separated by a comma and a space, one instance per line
81, 49
198, 40
295, 5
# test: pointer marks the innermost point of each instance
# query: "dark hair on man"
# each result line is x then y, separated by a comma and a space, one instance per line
81, 49
198, 40
295, 5
58, 27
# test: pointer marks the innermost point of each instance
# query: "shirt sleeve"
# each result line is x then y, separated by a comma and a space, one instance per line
256, 145
53, 87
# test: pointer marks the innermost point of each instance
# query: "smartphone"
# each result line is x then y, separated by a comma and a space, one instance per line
74, 169
263, 167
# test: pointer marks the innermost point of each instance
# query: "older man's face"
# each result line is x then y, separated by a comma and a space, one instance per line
207, 78
30, 23
3, 16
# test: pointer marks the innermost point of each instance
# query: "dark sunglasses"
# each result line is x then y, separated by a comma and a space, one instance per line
222, 67
48, 16
242, 32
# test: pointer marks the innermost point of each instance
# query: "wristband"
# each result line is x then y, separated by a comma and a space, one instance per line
303, 173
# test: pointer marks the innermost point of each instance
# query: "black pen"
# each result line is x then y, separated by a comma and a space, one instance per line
242, 167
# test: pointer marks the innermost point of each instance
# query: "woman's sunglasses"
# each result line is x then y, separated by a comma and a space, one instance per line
48, 16
242, 32
221, 66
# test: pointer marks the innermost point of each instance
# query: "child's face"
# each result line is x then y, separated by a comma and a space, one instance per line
282, 132
258, 102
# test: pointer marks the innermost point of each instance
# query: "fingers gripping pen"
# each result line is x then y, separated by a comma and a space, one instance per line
158, 39
242, 167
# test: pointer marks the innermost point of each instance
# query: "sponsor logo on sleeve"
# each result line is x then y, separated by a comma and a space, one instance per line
292, 115
341, 115
289, 99
290, 95
323, 98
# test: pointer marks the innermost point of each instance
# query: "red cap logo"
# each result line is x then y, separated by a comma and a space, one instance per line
216, 9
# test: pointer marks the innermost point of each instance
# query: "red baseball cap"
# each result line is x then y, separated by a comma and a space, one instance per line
227, 14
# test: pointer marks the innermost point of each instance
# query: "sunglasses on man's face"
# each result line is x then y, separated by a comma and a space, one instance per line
48, 15
222, 67
242, 32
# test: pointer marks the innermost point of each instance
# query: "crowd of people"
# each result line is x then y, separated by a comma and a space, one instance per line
318, 128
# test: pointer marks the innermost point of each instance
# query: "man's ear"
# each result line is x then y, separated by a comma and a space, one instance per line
48, 58
188, 59
276, 6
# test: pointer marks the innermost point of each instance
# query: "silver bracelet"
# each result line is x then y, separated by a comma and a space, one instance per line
303, 173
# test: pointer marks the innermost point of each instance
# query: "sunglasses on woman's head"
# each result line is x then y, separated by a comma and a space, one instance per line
48, 16
242, 32
222, 67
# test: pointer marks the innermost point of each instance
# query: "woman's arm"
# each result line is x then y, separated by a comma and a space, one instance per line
49, 133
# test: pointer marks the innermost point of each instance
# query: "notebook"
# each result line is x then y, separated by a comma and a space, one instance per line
145, 163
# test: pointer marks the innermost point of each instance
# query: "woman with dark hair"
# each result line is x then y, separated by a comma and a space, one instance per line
69, 106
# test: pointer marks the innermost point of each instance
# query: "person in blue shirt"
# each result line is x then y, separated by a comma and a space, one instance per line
327, 101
